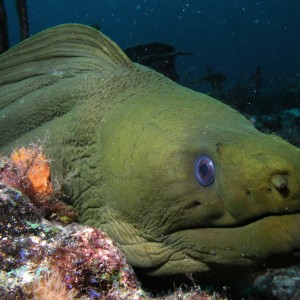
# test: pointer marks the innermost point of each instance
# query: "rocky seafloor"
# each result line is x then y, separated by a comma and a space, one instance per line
45, 254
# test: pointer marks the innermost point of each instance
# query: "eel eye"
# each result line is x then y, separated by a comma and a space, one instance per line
204, 170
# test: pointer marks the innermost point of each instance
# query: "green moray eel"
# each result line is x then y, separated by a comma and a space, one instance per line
181, 181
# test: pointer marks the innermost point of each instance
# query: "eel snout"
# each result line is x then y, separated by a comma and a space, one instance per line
260, 179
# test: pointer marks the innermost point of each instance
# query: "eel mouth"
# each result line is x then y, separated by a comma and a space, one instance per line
258, 219
258, 238
226, 253
272, 241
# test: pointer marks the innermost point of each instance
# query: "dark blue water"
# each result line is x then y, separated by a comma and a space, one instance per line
232, 36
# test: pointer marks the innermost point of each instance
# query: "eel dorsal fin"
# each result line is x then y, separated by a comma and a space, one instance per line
39, 77
63, 41
73, 48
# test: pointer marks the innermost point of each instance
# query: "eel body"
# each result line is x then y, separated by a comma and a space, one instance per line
181, 181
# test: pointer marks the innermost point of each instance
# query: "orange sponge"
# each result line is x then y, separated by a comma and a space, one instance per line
35, 166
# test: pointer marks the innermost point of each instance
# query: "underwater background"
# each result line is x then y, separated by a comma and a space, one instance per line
245, 53
234, 37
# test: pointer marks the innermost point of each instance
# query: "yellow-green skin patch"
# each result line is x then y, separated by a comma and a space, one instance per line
124, 140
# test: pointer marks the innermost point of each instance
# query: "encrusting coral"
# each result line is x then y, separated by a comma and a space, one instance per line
28, 170
34, 166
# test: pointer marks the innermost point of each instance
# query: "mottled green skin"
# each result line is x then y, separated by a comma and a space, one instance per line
124, 139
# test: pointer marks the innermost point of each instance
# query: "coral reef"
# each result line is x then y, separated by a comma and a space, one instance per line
215, 80
85, 258
157, 56
283, 284
286, 124
247, 94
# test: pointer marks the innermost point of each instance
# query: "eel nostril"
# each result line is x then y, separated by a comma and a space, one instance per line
279, 181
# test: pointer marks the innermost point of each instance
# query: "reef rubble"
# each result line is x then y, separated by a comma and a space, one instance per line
32, 250
283, 284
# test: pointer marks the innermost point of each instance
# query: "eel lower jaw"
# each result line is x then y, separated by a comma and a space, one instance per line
270, 241
273, 241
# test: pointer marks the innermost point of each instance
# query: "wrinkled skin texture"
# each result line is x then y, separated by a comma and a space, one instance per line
124, 140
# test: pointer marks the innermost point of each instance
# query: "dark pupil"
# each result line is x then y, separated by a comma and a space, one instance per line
203, 169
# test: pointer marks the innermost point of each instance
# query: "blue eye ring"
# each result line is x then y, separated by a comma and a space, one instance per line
204, 170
